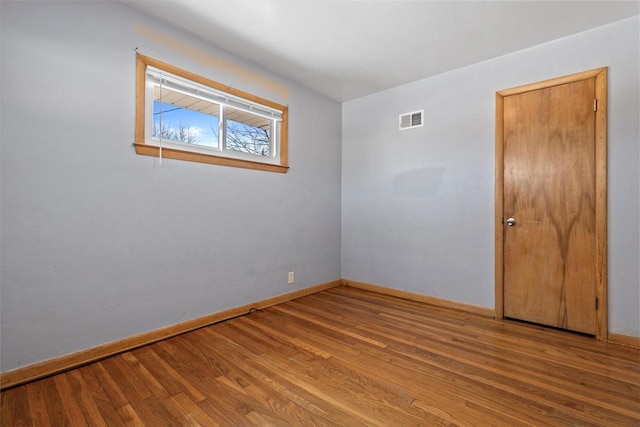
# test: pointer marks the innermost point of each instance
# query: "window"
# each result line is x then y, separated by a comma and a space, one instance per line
180, 115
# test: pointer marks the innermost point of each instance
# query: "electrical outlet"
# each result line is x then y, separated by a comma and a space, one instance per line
291, 277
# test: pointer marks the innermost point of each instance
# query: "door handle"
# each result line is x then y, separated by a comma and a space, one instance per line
511, 222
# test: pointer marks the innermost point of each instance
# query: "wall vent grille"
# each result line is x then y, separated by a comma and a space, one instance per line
411, 120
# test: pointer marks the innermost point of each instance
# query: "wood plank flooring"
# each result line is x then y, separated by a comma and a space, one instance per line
346, 357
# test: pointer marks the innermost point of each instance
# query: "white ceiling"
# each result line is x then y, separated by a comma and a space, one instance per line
347, 49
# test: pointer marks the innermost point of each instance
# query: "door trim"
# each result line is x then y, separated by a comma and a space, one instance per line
600, 76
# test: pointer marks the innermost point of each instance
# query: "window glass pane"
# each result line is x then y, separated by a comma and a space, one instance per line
184, 118
247, 133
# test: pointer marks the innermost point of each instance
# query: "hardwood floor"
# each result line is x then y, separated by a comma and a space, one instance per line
346, 357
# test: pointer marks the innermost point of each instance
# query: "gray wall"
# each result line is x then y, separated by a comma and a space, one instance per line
418, 205
99, 243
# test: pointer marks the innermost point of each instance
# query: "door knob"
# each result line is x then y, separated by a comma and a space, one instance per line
511, 222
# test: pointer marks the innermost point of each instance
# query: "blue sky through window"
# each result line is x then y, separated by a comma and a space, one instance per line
202, 128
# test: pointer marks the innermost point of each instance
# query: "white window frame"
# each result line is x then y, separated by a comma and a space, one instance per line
151, 72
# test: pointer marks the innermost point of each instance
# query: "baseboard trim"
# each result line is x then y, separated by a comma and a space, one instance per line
60, 364
625, 340
439, 302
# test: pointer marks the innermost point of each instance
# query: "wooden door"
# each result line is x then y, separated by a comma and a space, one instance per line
549, 226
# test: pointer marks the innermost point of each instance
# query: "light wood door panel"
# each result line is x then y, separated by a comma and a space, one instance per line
549, 189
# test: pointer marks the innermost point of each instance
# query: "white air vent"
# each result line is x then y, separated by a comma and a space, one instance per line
411, 120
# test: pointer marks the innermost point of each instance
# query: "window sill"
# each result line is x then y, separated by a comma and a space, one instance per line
173, 153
